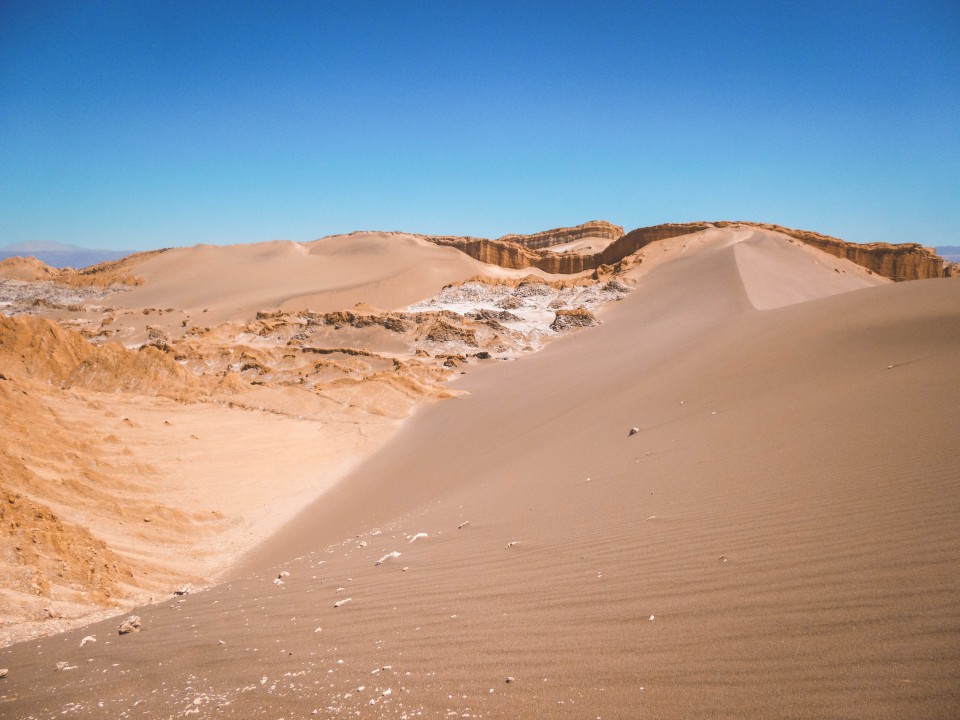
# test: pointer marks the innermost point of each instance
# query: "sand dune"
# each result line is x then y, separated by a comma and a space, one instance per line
780, 538
386, 270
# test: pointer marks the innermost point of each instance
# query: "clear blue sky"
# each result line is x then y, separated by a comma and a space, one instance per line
133, 125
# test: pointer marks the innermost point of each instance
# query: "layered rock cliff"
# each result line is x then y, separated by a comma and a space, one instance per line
908, 261
559, 236
905, 261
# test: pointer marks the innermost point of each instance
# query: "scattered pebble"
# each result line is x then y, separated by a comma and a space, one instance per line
633, 431
338, 603
418, 536
388, 556
88, 638
3, 672
513, 543
509, 678
462, 525
130, 625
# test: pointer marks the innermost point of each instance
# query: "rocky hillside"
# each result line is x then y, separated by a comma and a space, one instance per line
907, 261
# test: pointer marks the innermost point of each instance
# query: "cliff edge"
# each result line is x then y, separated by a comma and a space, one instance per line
907, 261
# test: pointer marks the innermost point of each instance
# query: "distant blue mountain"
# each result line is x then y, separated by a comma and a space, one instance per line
60, 255
949, 252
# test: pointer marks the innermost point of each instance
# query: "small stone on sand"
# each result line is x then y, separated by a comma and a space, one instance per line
130, 625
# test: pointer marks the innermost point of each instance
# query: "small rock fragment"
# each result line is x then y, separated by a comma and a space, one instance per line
3, 672
418, 536
633, 431
513, 543
183, 590
338, 603
88, 638
462, 525
509, 679
388, 556
130, 625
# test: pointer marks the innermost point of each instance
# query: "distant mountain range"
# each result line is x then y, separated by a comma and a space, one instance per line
949, 252
61, 255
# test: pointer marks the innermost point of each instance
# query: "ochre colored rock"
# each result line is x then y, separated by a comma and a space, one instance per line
904, 261
907, 261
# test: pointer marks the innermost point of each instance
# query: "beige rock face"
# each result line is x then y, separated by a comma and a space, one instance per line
908, 261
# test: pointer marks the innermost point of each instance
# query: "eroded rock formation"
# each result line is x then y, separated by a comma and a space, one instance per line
907, 261
558, 236
113, 272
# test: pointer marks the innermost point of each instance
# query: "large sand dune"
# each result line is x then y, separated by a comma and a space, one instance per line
386, 270
779, 538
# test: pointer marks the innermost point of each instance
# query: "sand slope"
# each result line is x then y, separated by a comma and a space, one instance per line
387, 270
781, 538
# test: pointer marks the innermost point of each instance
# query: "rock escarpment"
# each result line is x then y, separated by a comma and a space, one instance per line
559, 236
519, 252
907, 261
112, 272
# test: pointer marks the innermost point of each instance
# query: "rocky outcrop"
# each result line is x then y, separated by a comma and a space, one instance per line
114, 272
907, 261
519, 252
575, 318
559, 236
41, 350
510, 254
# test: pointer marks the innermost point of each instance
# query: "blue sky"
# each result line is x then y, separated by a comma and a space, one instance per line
134, 125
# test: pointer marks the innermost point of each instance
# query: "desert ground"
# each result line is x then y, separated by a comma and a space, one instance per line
688, 471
